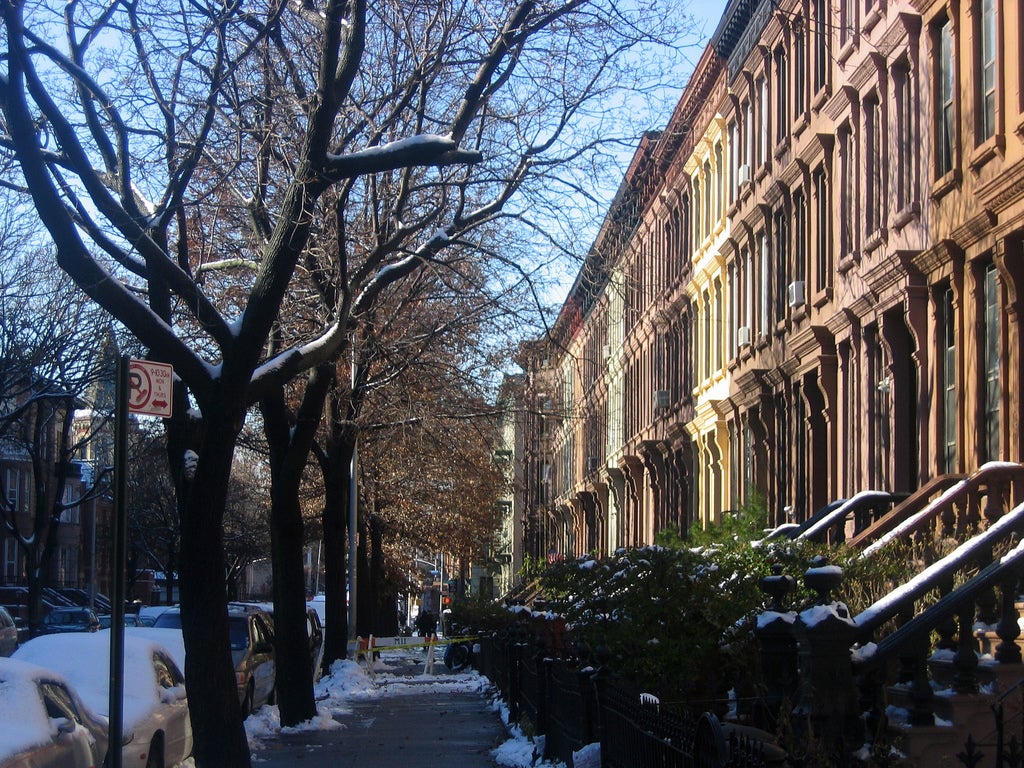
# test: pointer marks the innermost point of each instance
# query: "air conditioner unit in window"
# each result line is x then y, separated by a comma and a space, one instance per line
796, 293
661, 398
743, 174
743, 336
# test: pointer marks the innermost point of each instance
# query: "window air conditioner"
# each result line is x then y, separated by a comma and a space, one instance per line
796, 293
743, 174
743, 336
661, 398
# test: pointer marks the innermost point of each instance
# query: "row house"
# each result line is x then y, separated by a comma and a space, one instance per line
809, 284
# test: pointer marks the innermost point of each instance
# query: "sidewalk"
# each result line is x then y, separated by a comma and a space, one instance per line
407, 720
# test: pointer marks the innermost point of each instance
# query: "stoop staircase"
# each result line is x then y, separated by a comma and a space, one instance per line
945, 687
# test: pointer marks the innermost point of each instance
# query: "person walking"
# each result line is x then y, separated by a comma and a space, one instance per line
426, 623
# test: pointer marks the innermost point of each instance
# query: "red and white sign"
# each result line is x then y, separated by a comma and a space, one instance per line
149, 388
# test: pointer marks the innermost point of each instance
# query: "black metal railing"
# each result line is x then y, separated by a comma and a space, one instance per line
572, 704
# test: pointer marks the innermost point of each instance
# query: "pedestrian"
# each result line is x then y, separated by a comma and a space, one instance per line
426, 623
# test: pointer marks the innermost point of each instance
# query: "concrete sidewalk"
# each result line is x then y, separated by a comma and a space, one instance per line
432, 729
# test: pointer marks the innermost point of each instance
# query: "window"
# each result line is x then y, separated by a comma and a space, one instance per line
987, 73
906, 153
781, 96
698, 235
748, 287
748, 131
945, 135
822, 244
10, 554
718, 309
821, 28
708, 311
847, 21
949, 398
993, 388
733, 155
709, 205
799, 235
765, 285
762, 86
875, 187
799, 73
719, 182
847, 190
781, 248
12, 487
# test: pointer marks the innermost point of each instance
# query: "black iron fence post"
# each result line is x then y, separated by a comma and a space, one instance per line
777, 643
825, 634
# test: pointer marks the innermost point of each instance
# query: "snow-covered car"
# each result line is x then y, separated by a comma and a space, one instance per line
45, 722
252, 651
157, 730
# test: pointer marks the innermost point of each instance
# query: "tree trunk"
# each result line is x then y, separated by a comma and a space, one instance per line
219, 738
336, 464
289, 451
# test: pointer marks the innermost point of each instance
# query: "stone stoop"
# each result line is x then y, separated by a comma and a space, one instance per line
962, 716
932, 746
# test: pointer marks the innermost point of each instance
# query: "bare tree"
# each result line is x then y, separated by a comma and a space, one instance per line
52, 363
183, 159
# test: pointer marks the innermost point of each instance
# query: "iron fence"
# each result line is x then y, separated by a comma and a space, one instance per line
572, 705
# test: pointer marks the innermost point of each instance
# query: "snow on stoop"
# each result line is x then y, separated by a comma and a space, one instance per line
958, 716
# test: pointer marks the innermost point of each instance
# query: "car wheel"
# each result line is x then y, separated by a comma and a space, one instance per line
156, 753
247, 701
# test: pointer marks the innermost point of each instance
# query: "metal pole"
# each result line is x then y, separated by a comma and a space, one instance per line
118, 556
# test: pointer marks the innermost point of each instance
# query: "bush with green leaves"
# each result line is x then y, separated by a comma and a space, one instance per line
679, 621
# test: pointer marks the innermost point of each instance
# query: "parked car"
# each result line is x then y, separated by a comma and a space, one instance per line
316, 641
130, 620
157, 730
314, 630
8, 633
252, 650
45, 722
61, 620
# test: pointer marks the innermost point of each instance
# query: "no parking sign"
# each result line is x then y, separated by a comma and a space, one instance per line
149, 388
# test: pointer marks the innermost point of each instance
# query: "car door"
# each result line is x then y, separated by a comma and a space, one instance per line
174, 706
73, 746
261, 643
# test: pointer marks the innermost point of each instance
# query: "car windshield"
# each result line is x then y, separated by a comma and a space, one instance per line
168, 620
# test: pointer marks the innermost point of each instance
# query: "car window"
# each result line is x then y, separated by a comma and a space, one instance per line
168, 620
58, 702
239, 628
167, 674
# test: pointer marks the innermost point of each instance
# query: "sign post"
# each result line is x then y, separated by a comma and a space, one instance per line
142, 387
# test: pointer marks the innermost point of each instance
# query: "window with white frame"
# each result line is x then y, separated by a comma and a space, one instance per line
993, 391
11, 556
762, 87
945, 135
12, 487
987, 70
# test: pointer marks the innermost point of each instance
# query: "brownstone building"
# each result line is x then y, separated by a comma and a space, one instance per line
809, 284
